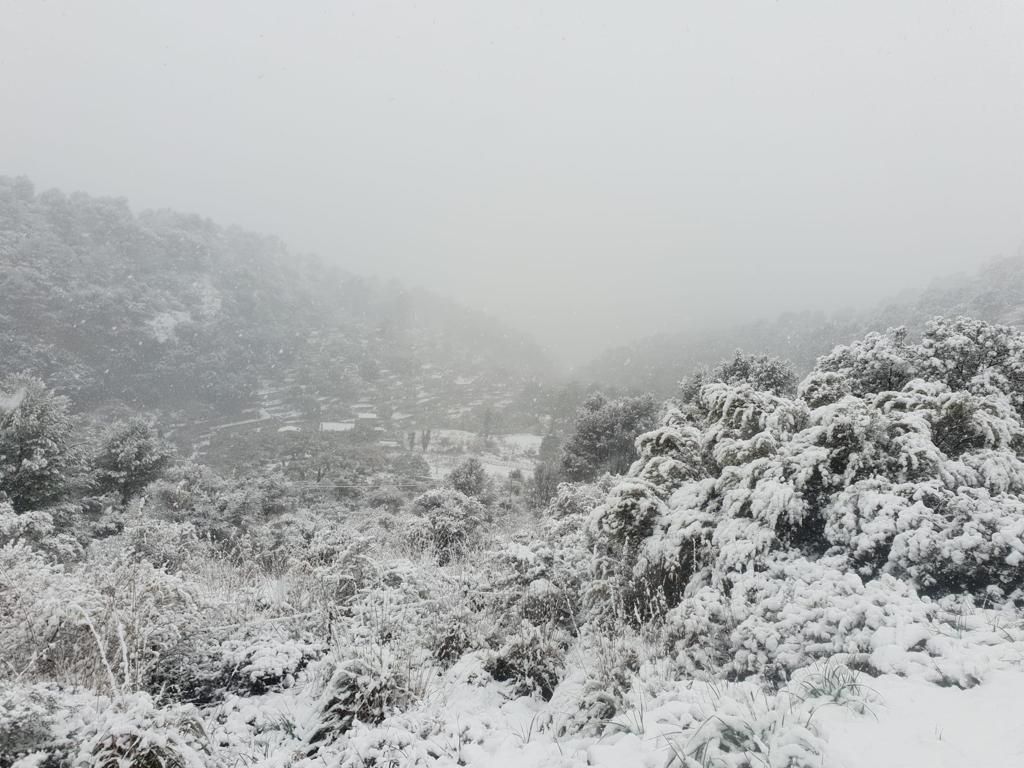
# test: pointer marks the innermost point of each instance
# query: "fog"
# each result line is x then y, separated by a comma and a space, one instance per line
589, 172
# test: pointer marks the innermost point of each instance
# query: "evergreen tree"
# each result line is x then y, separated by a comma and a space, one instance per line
131, 456
471, 478
604, 434
36, 455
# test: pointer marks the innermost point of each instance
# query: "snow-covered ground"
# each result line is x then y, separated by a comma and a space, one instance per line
468, 720
500, 455
916, 723
337, 426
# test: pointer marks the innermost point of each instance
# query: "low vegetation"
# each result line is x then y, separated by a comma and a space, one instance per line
771, 549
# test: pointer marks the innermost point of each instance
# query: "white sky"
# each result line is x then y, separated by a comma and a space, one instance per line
590, 171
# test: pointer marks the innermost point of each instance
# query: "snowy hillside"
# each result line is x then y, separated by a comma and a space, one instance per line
169, 311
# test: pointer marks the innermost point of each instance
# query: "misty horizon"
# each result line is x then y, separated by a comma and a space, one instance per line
586, 177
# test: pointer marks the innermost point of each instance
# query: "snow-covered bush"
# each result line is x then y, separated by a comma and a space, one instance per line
909, 485
55, 531
160, 542
368, 684
219, 508
37, 453
880, 362
133, 731
44, 618
330, 568
531, 659
471, 478
603, 435
579, 498
446, 522
34, 526
131, 455
541, 578
455, 638
106, 625
36, 721
361, 691
601, 670
744, 729
762, 372
387, 499
380, 661
267, 662
790, 614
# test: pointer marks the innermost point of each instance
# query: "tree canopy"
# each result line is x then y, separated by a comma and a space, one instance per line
604, 433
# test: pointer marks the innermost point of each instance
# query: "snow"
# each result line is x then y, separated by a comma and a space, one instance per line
163, 324
523, 442
457, 436
920, 724
8, 402
336, 426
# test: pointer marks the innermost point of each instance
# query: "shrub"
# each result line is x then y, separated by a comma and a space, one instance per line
471, 478
37, 454
790, 615
531, 659
454, 639
161, 543
378, 663
389, 499
603, 435
362, 692
36, 720
267, 662
132, 731
609, 665
897, 476
52, 531
43, 618
579, 498
748, 730
447, 523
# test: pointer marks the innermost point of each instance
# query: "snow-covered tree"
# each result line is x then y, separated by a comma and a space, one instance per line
471, 478
762, 372
35, 442
603, 435
131, 456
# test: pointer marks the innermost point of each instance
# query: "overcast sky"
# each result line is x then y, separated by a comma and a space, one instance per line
590, 171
